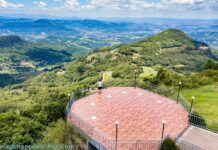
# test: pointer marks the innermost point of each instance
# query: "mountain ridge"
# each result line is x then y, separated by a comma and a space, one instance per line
180, 54
172, 38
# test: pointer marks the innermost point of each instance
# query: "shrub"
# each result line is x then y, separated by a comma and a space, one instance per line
169, 144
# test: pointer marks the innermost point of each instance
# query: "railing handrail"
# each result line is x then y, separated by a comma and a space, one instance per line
158, 143
111, 142
196, 115
94, 128
181, 143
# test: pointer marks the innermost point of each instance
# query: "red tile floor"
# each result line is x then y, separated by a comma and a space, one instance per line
140, 114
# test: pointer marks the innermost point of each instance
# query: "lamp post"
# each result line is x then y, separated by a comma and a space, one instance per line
180, 83
191, 104
135, 79
163, 127
116, 134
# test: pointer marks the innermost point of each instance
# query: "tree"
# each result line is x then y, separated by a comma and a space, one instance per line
62, 133
17, 129
211, 65
57, 133
54, 111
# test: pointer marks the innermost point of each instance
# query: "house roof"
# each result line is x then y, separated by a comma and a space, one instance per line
140, 114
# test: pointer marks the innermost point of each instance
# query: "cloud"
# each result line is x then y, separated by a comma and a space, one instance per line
40, 4
109, 4
5, 4
72, 4
140, 5
190, 5
183, 2
57, 0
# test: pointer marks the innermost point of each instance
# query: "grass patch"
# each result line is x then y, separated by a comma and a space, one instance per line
148, 72
107, 75
206, 100
205, 104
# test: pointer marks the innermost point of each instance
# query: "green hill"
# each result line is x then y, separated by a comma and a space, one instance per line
10, 40
19, 59
174, 38
171, 49
171, 37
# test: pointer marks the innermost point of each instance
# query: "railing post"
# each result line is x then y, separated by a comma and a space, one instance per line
116, 134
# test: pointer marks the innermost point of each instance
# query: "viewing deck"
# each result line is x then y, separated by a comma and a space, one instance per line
140, 113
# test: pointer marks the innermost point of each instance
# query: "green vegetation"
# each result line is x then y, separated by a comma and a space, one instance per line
148, 72
169, 144
211, 65
205, 103
21, 60
62, 133
11, 40
171, 48
206, 99
41, 101
47, 56
107, 76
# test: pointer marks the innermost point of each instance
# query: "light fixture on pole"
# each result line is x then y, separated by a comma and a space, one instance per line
135, 82
180, 83
116, 134
163, 127
191, 104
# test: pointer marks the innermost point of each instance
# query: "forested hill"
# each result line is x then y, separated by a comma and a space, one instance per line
174, 38
10, 40
21, 59
171, 49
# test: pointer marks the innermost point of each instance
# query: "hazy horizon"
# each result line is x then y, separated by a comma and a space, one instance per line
50, 17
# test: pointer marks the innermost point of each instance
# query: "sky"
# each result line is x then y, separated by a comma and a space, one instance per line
185, 9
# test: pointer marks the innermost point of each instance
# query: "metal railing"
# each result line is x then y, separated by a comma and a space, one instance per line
107, 142
75, 95
137, 145
197, 120
160, 89
183, 145
90, 131
203, 122
110, 144
184, 102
